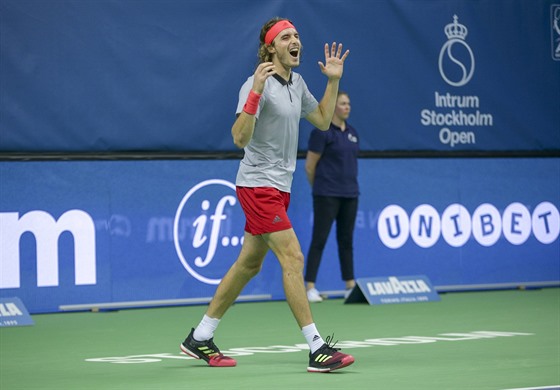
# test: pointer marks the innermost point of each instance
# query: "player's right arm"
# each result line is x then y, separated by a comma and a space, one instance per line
242, 129
244, 125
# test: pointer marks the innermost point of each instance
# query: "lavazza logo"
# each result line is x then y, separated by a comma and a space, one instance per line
456, 115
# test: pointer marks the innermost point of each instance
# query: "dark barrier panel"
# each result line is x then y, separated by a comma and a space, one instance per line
149, 75
75, 233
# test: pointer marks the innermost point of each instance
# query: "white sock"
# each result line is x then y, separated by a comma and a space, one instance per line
313, 337
205, 330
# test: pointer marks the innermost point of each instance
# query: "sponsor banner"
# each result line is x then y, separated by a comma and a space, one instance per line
393, 289
454, 75
83, 232
14, 313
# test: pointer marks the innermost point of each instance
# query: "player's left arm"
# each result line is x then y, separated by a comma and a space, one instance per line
332, 68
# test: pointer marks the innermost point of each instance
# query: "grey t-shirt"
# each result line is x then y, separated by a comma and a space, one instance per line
271, 154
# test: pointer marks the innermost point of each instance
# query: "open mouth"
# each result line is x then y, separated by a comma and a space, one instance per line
294, 52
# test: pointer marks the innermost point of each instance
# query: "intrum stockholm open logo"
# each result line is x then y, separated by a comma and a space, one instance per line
211, 206
456, 59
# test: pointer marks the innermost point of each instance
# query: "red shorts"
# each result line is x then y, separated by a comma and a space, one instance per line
265, 209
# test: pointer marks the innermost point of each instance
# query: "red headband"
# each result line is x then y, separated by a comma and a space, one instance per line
276, 29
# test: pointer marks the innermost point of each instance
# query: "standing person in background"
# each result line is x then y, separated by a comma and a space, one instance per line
271, 103
332, 170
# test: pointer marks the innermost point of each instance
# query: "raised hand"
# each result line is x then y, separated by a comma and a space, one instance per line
263, 71
334, 62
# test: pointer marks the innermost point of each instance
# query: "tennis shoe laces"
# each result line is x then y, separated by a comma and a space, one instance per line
207, 351
328, 358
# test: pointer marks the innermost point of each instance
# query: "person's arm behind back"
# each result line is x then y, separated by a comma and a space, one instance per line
310, 165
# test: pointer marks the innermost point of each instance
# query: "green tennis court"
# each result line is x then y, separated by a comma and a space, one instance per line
475, 340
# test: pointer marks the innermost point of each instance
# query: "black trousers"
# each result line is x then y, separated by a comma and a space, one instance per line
326, 210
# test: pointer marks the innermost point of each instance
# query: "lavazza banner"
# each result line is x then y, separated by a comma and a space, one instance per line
75, 233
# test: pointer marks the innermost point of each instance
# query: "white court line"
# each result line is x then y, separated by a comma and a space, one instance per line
537, 388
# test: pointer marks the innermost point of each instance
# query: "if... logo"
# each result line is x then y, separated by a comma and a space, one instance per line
215, 235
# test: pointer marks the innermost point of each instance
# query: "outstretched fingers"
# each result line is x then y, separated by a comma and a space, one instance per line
339, 49
345, 55
334, 60
331, 51
327, 53
334, 51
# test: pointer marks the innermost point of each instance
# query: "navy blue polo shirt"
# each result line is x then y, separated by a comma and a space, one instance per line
337, 170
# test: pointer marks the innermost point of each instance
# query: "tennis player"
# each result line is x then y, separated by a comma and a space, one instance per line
271, 103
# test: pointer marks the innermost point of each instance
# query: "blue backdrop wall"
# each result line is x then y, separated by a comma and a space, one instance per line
119, 231
149, 76
145, 75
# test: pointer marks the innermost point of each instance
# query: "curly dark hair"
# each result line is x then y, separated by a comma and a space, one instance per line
263, 54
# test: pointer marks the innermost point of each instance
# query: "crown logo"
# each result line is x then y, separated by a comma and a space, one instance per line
455, 29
